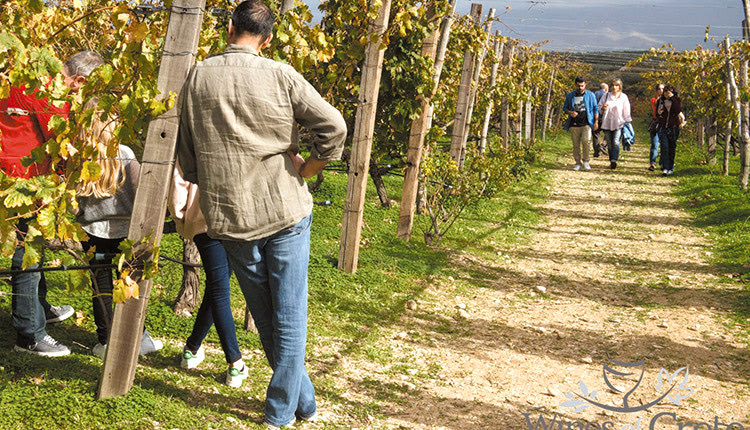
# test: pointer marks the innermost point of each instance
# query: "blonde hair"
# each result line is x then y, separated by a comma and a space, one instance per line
618, 82
99, 135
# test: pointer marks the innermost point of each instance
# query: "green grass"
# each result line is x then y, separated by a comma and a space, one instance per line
348, 316
722, 210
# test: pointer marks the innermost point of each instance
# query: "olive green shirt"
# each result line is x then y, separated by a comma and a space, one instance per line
239, 117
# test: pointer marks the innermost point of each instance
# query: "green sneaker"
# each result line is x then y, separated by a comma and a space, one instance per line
190, 360
235, 376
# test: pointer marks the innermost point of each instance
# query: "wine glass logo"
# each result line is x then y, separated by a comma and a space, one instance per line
671, 386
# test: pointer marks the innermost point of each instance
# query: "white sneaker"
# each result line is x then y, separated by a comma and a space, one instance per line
235, 376
577, 167
190, 360
270, 426
586, 165
149, 344
99, 350
670, 171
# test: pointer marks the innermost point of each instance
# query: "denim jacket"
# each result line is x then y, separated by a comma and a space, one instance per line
589, 101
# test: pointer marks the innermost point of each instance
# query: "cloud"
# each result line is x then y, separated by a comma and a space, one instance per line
631, 37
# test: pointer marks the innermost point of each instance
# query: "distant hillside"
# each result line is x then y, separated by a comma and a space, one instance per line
609, 64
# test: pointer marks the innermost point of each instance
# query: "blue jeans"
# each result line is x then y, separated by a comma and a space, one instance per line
654, 152
29, 301
272, 273
215, 307
668, 139
613, 138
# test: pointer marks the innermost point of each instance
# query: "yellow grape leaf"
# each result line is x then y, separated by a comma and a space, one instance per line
79, 318
118, 291
138, 31
4, 89
131, 287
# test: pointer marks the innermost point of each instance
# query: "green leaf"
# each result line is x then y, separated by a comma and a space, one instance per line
17, 198
46, 220
36, 5
77, 280
32, 253
91, 171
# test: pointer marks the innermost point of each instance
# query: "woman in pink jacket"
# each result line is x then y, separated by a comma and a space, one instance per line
615, 109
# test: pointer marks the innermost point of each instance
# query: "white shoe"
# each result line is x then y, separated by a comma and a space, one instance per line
190, 360
670, 171
235, 376
149, 344
586, 165
99, 350
270, 426
577, 167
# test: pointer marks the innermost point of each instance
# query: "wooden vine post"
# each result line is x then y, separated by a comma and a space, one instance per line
475, 83
518, 124
547, 106
733, 99
504, 104
498, 50
464, 94
744, 129
711, 131
430, 49
364, 126
123, 344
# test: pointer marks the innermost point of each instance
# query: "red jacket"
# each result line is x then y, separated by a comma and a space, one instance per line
24, 126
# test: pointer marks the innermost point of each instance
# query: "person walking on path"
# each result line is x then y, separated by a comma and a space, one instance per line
583, 117
615, 108
216, 308
596, 138
237, 141
668, 111
652, 128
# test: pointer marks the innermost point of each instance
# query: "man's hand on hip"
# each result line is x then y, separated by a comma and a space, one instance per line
306, 168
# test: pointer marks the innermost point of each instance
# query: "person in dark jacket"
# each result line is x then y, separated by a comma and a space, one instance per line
668, 110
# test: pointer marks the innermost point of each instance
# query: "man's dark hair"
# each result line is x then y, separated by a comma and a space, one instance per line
253, 17
580, 79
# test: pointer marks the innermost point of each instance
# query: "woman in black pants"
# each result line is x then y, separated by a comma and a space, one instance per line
668, 110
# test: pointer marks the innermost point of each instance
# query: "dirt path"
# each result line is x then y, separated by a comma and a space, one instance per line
616, 271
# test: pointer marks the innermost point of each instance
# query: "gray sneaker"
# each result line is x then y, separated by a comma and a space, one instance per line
58, 313
47, 347
149, 344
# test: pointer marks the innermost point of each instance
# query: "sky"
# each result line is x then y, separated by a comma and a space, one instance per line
607, 25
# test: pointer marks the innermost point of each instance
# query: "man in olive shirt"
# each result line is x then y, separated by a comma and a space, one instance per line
237, 141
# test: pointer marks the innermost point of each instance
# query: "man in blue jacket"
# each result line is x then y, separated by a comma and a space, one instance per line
583, 117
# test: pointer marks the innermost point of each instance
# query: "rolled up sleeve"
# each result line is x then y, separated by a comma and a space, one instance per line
317, 115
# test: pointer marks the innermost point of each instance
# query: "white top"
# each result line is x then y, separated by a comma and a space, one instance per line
617, 112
